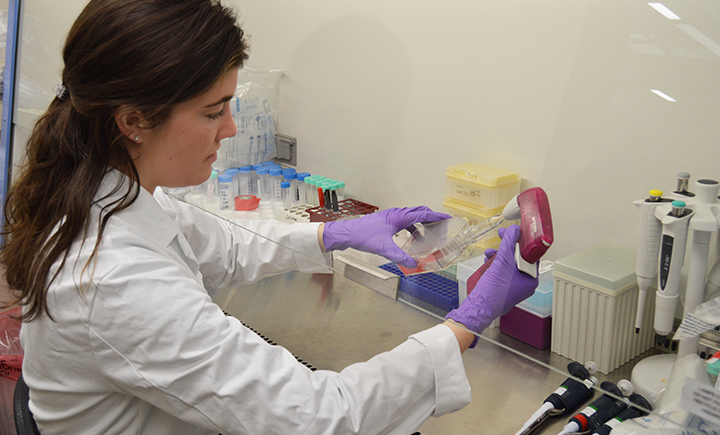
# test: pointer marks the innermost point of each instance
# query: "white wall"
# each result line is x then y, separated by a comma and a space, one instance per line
386, 94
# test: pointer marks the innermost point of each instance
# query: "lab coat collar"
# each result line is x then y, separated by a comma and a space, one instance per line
145, 214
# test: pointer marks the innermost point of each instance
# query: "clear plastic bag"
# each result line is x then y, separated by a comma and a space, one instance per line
254, 109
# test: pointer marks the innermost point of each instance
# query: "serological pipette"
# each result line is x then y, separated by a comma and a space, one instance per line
567, 396
536, 235
441, 255
599, 411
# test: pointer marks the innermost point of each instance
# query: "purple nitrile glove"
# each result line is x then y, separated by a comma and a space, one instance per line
374, 233
501, 287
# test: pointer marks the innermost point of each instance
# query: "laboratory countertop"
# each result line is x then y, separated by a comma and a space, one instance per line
331, 322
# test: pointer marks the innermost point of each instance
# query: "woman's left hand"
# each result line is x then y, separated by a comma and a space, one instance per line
374, 232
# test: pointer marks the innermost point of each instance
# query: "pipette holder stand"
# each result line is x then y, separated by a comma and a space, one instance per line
703, 223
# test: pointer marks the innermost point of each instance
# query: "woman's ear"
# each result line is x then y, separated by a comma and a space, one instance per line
128, 121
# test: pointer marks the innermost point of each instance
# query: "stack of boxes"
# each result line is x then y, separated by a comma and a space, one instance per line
478, 192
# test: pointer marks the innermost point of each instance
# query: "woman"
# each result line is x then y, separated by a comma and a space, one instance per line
121, 336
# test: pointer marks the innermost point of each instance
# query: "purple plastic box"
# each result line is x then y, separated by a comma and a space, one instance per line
527, 327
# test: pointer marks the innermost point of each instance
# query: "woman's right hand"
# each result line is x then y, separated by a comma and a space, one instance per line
501, 287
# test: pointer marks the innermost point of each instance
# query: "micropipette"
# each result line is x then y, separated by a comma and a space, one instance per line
672, 255
598, 412
640, 410
648, 250
571, 393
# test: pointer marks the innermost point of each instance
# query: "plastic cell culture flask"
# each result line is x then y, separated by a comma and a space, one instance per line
434, 246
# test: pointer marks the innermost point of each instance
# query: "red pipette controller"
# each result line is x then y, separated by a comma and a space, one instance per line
536, 232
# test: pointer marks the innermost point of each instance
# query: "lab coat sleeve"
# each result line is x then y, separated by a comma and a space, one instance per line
241, 252
156, 335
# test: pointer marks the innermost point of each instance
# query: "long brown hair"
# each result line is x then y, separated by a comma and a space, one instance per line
146, 54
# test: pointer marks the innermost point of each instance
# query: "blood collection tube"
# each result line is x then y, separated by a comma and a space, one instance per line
341, 190
321, 197
335, 202
326, 195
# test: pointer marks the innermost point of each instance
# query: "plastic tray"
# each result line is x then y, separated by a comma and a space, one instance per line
347, 208
430, 288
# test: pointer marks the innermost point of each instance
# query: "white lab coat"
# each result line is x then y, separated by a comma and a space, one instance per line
138, 347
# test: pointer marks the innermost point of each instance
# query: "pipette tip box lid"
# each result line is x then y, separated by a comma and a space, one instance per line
594, 306
485, 186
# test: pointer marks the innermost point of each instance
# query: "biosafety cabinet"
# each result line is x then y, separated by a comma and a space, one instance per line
595, 102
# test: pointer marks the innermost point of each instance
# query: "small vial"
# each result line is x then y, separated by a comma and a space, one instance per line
254, 179
341, 190
233, 172
291, 178
310, 191
286, 193
264, 188
243, 180
225, 183
276, 177
211, 187
301, 186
